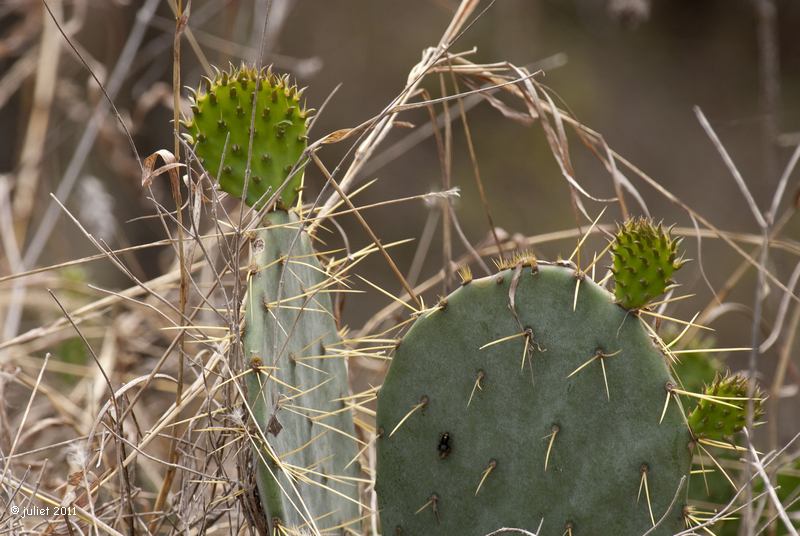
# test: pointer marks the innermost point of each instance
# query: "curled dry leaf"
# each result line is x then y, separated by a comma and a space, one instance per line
171, 166
338, 135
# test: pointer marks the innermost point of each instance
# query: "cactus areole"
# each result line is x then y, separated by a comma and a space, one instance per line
219, 130
516, 403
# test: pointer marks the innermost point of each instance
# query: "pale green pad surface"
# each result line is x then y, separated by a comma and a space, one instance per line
296, 347
594, 468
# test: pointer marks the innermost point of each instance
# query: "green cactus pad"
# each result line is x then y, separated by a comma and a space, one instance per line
223, 111
474, 437
709, 488
289, 329
645, 257
718, 421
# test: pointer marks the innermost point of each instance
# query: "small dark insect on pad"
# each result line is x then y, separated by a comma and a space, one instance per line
444, 446
274, 426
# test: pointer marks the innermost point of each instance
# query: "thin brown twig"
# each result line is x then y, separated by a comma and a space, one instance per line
181, 22
475, 167
446, 156
36, 133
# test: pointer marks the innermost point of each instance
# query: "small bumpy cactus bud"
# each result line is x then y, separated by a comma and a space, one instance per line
220, 130
645, 257
725, 414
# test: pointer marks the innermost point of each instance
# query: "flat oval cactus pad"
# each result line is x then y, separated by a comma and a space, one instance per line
497, 415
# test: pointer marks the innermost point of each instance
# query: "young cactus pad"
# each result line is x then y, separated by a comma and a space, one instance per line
220, 131
507, 407
296, 388
725, 414
645, 257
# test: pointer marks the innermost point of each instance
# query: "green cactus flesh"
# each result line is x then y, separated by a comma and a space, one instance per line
645, 257
288, 328
491, 444
220, 130
726, 414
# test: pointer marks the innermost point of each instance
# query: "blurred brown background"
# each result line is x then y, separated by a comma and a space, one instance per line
632, 70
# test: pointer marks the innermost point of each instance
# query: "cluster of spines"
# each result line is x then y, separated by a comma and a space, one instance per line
645, 257
519, 258
220, 130
696, 366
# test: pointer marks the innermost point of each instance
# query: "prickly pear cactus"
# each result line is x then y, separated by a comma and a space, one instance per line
298, 389
645, 257
700, 371
221, 118
514, 403
715, 420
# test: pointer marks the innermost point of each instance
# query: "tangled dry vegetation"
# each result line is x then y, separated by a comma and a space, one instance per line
126, 406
